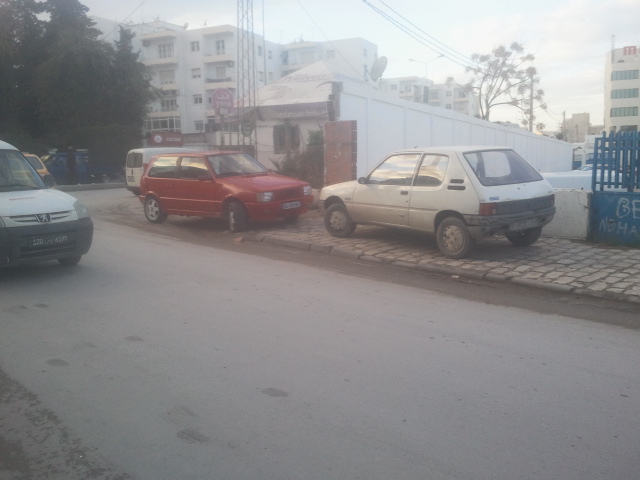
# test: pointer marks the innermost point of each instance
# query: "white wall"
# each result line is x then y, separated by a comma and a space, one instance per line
386, 124
572, 215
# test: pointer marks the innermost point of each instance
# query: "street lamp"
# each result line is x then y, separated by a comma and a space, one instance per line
426, 63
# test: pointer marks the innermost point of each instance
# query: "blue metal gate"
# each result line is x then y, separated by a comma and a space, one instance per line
615, 205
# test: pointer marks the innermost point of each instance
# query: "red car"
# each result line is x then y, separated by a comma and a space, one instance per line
219, 184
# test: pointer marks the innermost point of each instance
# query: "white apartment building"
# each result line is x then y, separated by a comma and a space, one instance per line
450, 96
188, 66
622, 87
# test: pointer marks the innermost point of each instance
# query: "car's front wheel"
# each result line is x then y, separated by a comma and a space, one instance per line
237, 217
524, 238
338, 222
153, 211
454, 240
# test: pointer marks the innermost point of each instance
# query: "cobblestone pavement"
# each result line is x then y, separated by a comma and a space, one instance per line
557, 264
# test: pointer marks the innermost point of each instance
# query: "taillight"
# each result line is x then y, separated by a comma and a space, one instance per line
488, 209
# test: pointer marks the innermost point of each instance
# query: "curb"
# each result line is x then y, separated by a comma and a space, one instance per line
90, 186
441, 270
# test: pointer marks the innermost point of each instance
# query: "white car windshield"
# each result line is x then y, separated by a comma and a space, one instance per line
16, 173
501, 167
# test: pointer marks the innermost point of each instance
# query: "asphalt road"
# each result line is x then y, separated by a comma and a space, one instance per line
176, 351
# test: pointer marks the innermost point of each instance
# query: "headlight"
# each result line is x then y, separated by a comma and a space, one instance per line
81, 210
307, 190
264, 196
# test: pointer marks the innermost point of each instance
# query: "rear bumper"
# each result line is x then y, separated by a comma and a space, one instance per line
484, 226
15, 248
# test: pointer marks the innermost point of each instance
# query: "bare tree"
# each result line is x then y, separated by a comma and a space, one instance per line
506, 77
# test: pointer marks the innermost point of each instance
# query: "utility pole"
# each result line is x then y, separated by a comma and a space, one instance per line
532, 73
246, 96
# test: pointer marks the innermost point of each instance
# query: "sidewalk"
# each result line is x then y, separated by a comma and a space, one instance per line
561, 265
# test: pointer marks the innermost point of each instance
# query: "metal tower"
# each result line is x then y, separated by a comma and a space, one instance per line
246, 92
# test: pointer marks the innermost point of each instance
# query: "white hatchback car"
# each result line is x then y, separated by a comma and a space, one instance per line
460, 194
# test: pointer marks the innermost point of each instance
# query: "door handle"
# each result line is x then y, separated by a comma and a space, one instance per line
404, 192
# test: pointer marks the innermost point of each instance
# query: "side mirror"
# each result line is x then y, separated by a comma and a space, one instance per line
362, 181
49, 181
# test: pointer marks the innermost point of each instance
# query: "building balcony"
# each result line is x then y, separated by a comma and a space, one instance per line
219, 30
162, 113
213, 83
152, 62
226, 59
165, 34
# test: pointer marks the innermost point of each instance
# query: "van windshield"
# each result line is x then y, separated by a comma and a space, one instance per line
230, 164
16, 173
501, 167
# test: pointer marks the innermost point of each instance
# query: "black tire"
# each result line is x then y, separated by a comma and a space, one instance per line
338, 222
69, 261
454, 239
237, 217
153, 210
524, 238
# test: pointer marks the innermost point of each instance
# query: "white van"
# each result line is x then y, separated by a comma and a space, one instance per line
139, 158
38, 223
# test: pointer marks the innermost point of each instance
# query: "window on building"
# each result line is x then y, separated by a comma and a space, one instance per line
259, 51
331, 54
165, 50
448, 93
220, 47
260, 76
624, 112
434, 95
167, 124
448, 106
625, 75
196, 73
625, 93
197, 99
167, 77
199, 125
168, 105
195, 46
629, 128
286, 138
269, 54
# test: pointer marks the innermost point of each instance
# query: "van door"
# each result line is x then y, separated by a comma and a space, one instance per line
384, 196
134, 168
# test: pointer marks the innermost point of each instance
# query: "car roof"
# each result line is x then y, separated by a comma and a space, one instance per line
6, 146
455, 148
199, 152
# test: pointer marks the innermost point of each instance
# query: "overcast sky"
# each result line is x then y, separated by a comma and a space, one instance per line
569, 38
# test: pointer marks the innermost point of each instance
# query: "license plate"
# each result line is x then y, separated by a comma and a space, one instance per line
524, 224
130, 178
290, 205
46, 240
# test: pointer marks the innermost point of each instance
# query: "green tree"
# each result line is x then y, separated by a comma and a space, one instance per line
505, 77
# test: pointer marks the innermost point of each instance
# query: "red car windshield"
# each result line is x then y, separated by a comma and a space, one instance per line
229, 164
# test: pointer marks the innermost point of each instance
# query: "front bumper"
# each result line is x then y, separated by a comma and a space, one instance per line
16, 248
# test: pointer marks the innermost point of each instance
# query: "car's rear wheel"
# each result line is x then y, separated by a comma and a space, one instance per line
338, 222
237, 217
69, 261
454, 240
524, 238
153, 211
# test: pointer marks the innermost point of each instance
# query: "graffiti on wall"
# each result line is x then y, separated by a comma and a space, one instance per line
618, 219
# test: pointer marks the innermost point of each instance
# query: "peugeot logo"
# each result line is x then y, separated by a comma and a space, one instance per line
43, 217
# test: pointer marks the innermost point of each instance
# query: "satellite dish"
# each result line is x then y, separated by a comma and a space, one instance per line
377, 69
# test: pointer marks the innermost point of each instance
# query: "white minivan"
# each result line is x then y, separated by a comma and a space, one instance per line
138, 159
38, 223
460, 194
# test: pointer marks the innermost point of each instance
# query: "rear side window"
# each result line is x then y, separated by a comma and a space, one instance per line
134, 160
501, 167
431, 171
164, 167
